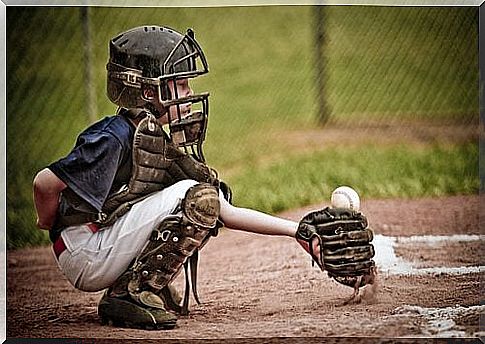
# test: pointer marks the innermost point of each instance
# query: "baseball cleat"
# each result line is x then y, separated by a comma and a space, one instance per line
147, 312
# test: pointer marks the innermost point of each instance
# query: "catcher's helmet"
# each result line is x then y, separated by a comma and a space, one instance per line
149, 57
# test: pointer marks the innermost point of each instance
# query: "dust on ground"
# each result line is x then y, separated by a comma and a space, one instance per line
253, 286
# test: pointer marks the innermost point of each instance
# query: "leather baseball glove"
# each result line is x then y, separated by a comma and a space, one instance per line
344, 247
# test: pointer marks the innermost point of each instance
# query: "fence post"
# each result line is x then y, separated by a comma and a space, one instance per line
323, 111
89, 88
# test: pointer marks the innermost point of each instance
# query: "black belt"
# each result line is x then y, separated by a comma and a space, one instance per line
80, 218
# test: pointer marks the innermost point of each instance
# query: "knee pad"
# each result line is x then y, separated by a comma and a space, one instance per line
201, 205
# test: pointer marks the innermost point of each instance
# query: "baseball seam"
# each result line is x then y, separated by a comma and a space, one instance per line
349, 198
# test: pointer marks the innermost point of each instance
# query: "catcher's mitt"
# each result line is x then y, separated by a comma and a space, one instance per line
344, 237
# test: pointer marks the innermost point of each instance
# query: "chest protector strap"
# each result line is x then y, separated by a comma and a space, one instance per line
156, 164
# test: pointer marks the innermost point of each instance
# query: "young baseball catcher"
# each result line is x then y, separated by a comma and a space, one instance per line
135, 200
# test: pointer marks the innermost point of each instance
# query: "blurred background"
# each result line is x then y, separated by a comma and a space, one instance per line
303, 98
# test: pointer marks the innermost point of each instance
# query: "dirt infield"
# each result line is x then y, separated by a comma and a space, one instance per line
251, 286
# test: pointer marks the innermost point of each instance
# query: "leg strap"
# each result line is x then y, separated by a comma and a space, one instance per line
190, 272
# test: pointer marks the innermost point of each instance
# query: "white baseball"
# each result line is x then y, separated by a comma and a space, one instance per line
345, 197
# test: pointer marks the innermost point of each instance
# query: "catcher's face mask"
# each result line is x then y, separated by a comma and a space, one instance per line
186, 119
152, 57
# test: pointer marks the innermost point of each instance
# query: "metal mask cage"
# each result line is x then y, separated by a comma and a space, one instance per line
169, 66
188, 132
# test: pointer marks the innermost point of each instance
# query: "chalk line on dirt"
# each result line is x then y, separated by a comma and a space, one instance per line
440, 322
437, 239
388, 262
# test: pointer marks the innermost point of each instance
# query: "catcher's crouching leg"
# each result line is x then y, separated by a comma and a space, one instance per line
141, 297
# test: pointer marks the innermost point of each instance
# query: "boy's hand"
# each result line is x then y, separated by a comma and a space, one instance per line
315, 248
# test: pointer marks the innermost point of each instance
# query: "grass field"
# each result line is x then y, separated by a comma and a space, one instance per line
383, 65
375, 172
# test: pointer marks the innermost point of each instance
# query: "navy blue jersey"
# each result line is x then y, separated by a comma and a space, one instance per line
98, 165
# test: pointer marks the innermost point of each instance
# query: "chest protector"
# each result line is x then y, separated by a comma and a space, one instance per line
157, 164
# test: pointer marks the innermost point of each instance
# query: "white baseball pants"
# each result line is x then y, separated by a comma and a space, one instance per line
93, 261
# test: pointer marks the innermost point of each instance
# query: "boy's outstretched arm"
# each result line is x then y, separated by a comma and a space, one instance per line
249, 220
254, 221
47, 188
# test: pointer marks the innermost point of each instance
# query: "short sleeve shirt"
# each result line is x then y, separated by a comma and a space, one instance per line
100, 162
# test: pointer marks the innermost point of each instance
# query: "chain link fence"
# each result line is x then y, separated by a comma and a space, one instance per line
273, 69
403, 62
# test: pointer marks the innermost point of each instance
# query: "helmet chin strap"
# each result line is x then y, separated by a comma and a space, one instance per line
155, 111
